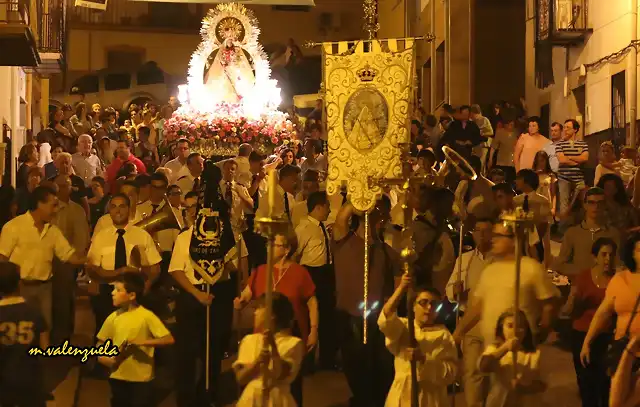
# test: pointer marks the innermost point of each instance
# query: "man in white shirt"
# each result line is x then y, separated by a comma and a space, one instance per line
538, 295
156, 202
288, 177
550, 149
86, 164
314, 160
178, 165
31, 242
130, 189
310, 184
237, 197
116, 249
527, 181
191, 181
191, 314
314, 251
243, 175
72, 222
473, 263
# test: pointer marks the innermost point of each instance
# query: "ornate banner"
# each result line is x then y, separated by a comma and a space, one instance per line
368, 91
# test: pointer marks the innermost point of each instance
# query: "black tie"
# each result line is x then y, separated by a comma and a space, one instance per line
525, 206
155, 208
256, 196
286, 205
228, 195
326, 244
196, 184
121, 251
344, 197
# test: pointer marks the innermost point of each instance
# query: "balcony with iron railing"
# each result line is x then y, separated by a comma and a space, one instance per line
51, 40
569, 21
17, 41
139, 16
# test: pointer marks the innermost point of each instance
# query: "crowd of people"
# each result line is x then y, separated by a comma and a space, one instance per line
88, 181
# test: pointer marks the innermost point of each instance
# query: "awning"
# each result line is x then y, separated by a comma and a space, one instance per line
285, 3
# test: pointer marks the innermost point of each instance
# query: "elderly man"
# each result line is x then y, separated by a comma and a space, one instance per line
86, 164
63, 166
72, 222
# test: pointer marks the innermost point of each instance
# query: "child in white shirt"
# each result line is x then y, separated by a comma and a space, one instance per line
136, 331
436, 354
284, 356
507, 390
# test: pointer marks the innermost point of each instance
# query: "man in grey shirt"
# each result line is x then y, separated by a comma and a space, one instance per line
575, 252
550, 149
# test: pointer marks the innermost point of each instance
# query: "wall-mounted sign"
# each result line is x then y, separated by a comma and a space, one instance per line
94, 4
294, 3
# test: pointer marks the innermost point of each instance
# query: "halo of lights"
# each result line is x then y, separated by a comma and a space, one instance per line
204, 112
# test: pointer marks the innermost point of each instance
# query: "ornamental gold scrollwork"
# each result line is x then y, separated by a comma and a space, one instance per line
367, 99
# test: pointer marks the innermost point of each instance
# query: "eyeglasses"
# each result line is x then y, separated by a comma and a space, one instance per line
188, 208
507, 235
592, 202
174, 193
156, 186
425, 301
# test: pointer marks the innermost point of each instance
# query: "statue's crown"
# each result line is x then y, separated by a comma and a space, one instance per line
367, 74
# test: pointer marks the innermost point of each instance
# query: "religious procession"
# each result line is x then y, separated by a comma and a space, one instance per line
219, 251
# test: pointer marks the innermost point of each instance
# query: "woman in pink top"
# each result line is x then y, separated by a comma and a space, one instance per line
528, 145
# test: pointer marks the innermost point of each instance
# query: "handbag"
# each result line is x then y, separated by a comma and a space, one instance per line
619, 346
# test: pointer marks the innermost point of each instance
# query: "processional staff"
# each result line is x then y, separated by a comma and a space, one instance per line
521, 220
408, 183
269, 227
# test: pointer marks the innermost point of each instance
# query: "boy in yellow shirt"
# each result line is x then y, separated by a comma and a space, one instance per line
136, 331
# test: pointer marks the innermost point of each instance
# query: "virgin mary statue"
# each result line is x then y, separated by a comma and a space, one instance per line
230, 75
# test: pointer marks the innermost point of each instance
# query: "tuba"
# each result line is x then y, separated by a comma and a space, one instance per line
165, 218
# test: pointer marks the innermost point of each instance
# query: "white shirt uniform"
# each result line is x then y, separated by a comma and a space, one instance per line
177, 170
243, 174
105, 221
311, 243
279, 206
538, 204
102, 252
167, 237
181, 259
240, 200
299, 213
185, 182
262, 194
33, 251
473, 263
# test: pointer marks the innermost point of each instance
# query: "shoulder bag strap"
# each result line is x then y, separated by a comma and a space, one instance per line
633, 315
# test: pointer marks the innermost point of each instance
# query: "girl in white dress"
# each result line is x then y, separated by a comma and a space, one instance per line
436, 354
497, 359
284, 357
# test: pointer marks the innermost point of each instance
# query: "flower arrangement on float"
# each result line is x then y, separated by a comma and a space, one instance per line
237, 101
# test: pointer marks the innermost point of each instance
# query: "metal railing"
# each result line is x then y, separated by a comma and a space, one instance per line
132, 14
570, 15
51, 32
14, 12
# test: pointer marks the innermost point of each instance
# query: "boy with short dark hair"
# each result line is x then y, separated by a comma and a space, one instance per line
21, 328
136, 331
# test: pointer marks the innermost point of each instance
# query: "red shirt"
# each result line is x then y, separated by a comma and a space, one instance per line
116, 164
590, 298
295, 284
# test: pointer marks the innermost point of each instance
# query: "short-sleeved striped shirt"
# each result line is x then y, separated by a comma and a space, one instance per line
571, 148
